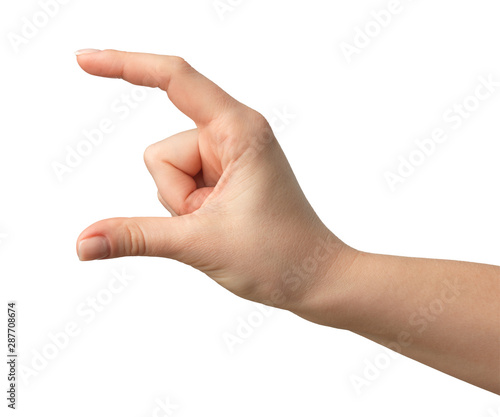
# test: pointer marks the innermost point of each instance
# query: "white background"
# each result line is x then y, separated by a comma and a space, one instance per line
162, 336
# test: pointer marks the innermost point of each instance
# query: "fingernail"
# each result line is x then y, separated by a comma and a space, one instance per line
86, 51
93, 248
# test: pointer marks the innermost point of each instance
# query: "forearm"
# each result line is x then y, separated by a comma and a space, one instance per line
442, 313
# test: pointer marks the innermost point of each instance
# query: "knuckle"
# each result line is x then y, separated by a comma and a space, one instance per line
178, 61
151, 155
166, 67
259, 121
242, 130
262, 133
134, 238
177, 64
251, 118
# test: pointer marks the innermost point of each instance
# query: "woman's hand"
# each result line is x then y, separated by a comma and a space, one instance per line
238, 213
240, 216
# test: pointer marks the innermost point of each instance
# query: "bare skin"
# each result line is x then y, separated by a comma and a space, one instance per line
239, 215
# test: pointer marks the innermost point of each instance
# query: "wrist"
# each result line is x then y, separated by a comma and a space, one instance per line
314, 284
331, 297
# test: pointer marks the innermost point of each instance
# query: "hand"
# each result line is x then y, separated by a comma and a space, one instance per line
238, 213
240, 216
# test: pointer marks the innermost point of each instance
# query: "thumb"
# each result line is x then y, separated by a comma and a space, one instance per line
147, 236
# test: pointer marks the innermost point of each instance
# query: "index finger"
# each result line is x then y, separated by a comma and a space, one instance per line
192, 93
